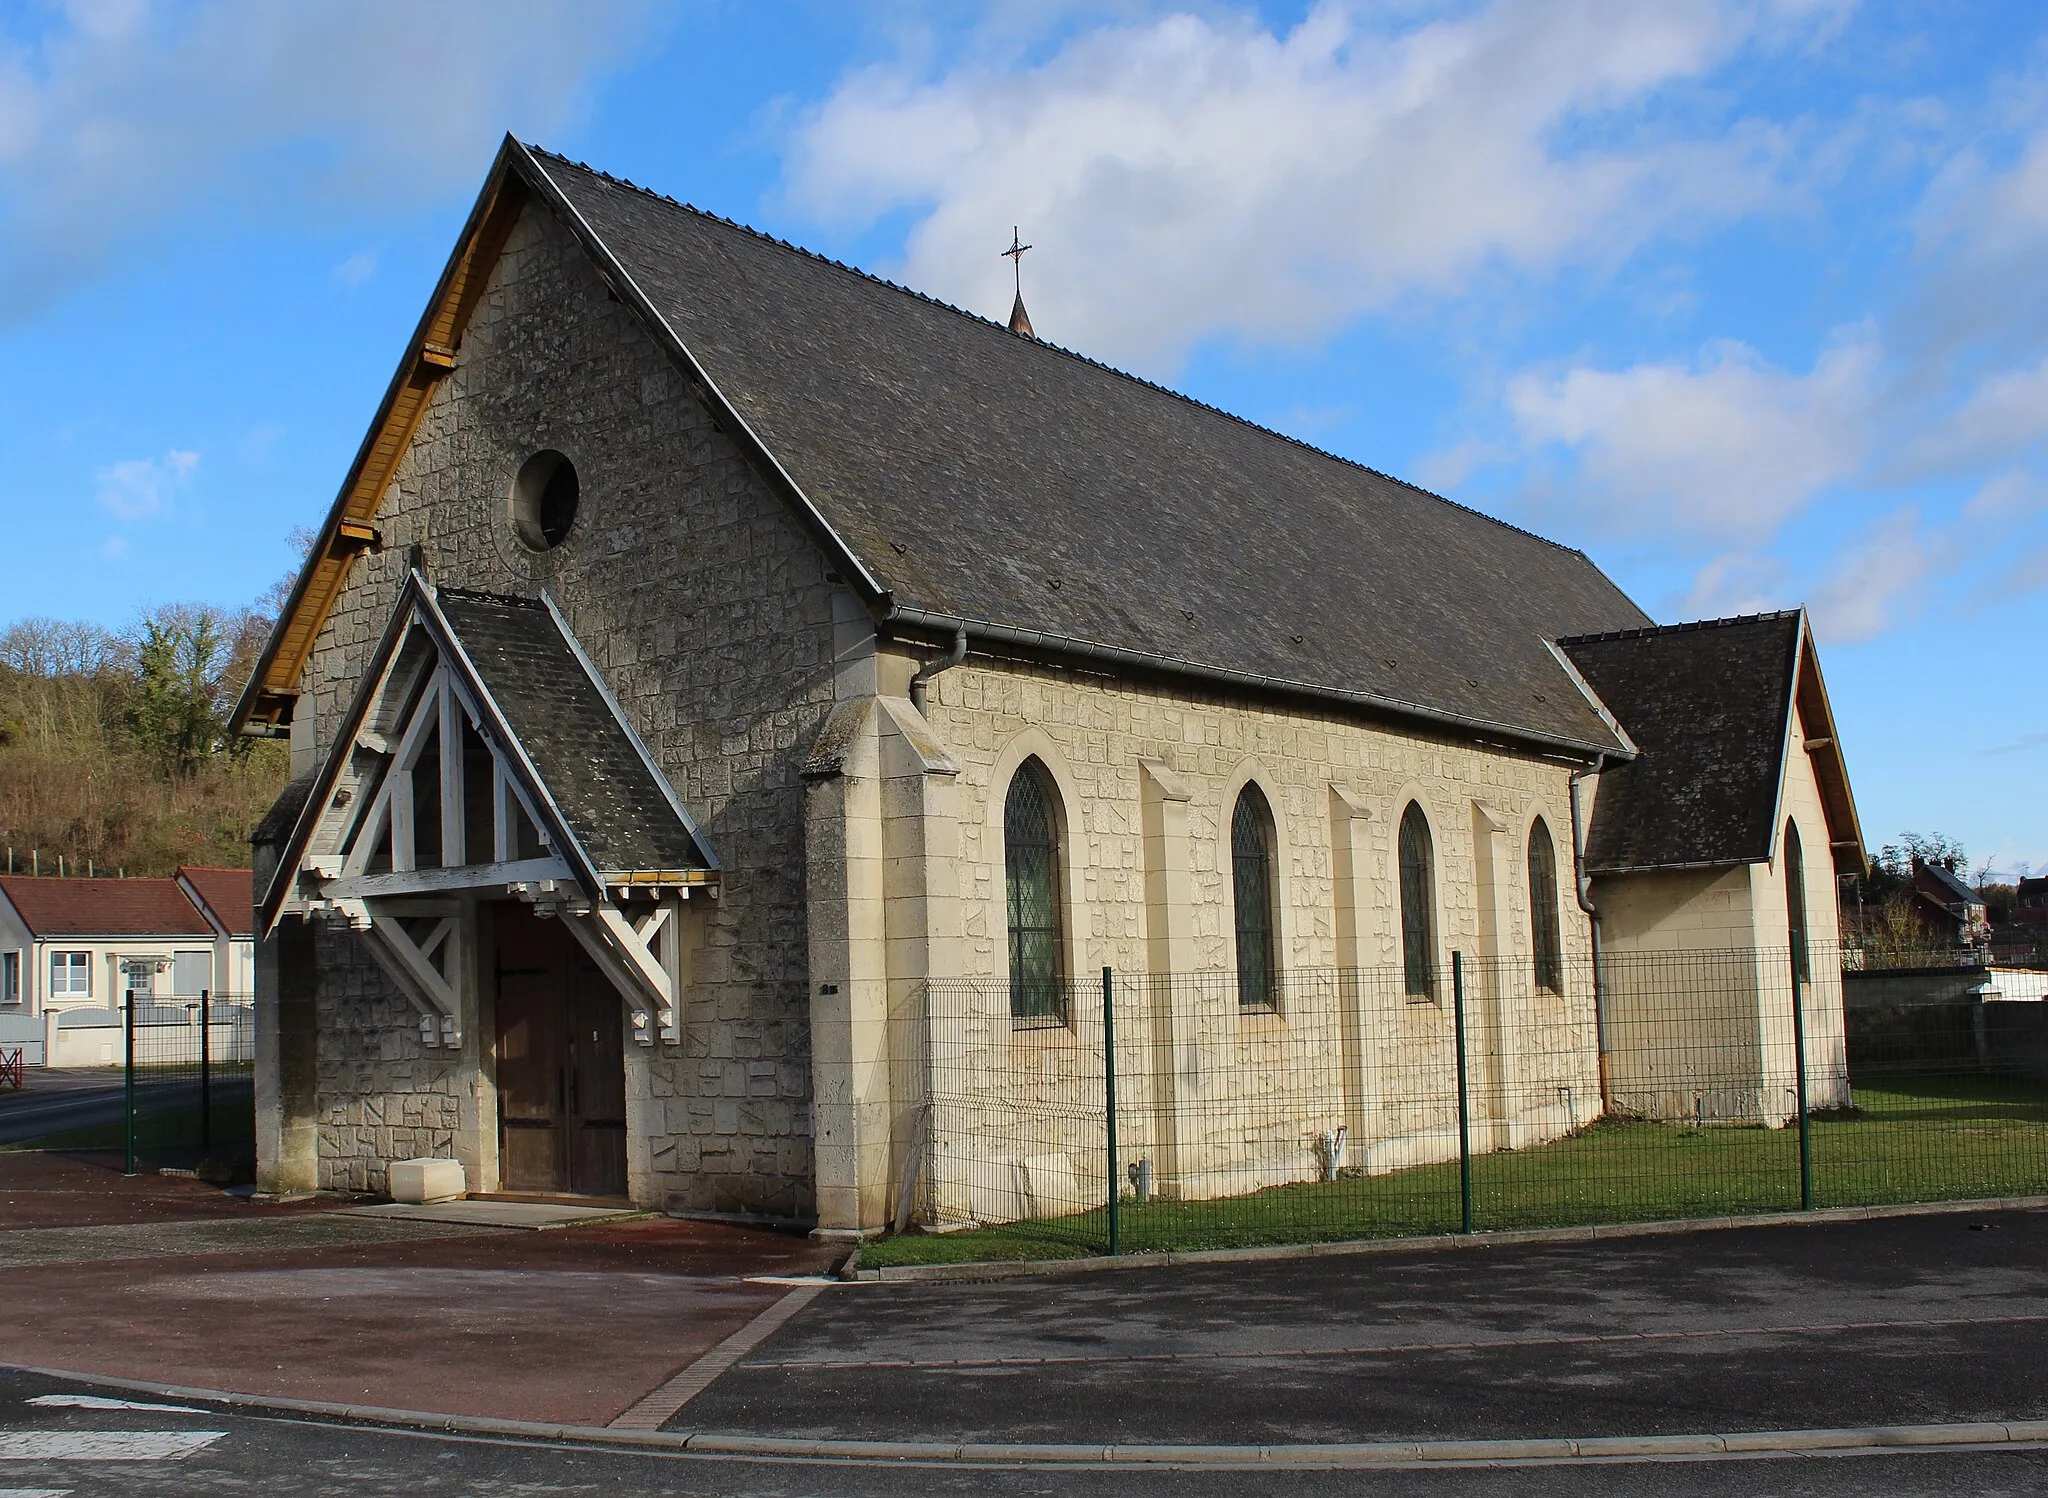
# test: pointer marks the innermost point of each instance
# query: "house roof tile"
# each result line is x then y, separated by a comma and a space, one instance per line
228, 894
1707, 704
102, 907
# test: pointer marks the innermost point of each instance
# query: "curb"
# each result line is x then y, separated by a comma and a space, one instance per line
1361, 1454
1005, 1269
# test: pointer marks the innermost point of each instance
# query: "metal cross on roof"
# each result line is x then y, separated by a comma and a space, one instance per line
1015, 255
1020, 320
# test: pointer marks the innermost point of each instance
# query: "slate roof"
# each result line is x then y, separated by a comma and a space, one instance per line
1708, 705
1946, 886
981, 475
102, 907
228, 894
585, 755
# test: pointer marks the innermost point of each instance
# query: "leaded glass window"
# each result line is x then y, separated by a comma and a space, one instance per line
1795, 902
1545, 942
1251, 878
1031, 876
1418, 904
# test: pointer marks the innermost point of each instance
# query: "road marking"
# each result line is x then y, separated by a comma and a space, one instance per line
96, 1402
658, 1408
35, 1493
1381, 1349
103, 1445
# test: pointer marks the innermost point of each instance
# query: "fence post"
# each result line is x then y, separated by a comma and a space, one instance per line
128, 1080
1109, 1104
1799, 1061
1464, 1099
205, 1073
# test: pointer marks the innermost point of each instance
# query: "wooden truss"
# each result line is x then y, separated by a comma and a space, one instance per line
435, 806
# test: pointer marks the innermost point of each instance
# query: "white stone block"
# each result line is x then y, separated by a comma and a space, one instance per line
418, 1181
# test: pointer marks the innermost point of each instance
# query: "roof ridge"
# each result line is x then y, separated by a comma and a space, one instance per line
1678, 629
1050, 347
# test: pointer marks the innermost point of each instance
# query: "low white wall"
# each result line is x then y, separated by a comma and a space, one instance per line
23, 1032
157, 1042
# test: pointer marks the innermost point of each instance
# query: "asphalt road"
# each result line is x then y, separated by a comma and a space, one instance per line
213, 1452
56, 1102
1898, 1321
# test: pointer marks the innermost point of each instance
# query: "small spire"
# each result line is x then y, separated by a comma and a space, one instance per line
1020, 320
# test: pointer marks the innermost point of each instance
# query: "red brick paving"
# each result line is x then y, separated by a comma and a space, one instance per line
88, 1190
573, 1325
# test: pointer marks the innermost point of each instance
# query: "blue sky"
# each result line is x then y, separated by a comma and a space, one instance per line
1744, 297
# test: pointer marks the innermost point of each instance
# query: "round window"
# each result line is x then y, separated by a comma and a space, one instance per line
544, 500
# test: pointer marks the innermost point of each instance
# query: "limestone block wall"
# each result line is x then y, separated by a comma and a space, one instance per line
709, 614
380, 1095
1223, 1099
1699, 1033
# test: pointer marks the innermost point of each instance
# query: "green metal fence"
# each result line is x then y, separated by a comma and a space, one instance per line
187, 1077
1152, 1113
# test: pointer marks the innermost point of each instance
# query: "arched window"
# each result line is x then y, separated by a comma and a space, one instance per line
1031, 877
1252, 844
1545, 944
1418, 904
1795, 902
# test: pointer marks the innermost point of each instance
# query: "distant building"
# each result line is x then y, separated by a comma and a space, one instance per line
73, 952
2030, 904
1946, 909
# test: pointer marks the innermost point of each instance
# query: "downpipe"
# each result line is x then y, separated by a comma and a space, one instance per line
1582, 886
937, 664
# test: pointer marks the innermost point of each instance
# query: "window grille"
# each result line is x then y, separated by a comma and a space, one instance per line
1418, 904
1031, 873
1795, 902
1251, 876
70, 974
1545, 943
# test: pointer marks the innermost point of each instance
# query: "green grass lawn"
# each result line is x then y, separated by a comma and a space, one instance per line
1910, 1139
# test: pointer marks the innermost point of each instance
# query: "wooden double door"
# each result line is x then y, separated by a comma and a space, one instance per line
561, 1063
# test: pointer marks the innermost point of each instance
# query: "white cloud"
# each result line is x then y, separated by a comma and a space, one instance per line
1199, 173
2016, 495
127, 113
1879, 581
1727, 446
1735, 583
2006, 412
137, 488
357, 268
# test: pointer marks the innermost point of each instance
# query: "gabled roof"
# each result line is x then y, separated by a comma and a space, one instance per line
1710, 706
544, 715
226, 897
593, 766
956, 472
1946, 887
102, 907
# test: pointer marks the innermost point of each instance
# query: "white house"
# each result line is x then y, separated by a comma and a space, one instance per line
73, 952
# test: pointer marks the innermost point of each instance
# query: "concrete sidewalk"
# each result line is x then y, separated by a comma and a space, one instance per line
172, 1282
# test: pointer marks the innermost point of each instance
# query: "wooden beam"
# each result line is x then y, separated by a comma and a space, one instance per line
475, 876
455, 302
453, 826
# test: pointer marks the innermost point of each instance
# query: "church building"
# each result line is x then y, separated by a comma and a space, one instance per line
713, 651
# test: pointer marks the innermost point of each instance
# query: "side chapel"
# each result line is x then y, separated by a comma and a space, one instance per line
712, 645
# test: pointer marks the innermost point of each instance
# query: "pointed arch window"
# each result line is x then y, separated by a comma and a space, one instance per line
1418, 904
1795, 903
1545, 940
1252, 885
1031, 877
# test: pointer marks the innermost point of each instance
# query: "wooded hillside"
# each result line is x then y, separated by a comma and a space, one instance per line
114, 749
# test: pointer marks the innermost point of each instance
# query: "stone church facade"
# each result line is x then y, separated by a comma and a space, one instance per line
660, 686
